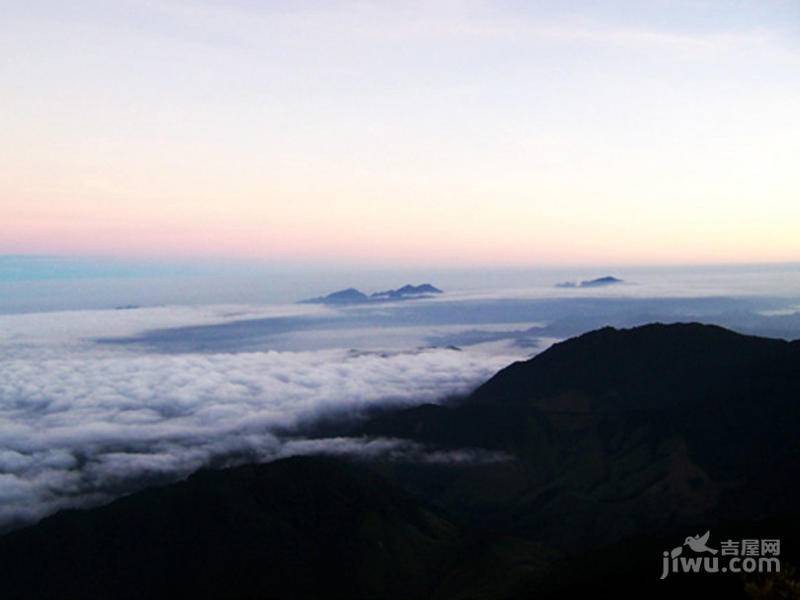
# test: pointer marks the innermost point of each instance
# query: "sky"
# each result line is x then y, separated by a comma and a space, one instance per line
450, 134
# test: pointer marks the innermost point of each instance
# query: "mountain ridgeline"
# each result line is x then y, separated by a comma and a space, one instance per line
650, 367
354, 296
621, 431
620, 442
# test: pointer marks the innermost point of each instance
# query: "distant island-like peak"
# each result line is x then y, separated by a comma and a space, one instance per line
407, 291
599, 282
354, 296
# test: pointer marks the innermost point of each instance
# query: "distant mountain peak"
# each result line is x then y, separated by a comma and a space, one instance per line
345, 296
406, 291
354, 296
598, 282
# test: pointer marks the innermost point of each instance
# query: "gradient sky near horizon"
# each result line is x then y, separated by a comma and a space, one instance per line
449, 133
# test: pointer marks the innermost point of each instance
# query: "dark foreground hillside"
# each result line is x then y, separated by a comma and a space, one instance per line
620, 444
295, 528
618, 432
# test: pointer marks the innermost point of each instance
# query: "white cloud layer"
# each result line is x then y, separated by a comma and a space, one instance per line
80, 423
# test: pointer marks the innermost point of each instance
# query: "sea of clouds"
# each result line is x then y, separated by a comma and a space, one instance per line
95, 404
83, 422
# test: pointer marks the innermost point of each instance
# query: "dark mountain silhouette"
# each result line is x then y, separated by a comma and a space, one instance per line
295, 528
624, 442
629, 569
619, 432
599, 282
354, 296
648, 367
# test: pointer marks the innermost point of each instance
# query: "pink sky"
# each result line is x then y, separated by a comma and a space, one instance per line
463, 134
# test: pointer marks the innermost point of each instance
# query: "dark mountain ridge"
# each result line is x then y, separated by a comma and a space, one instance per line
294, 528
621, 431
624, 441
648, 367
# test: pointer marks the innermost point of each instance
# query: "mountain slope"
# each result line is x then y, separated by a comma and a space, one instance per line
623, 443
295, 528
619, 432
649, 367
